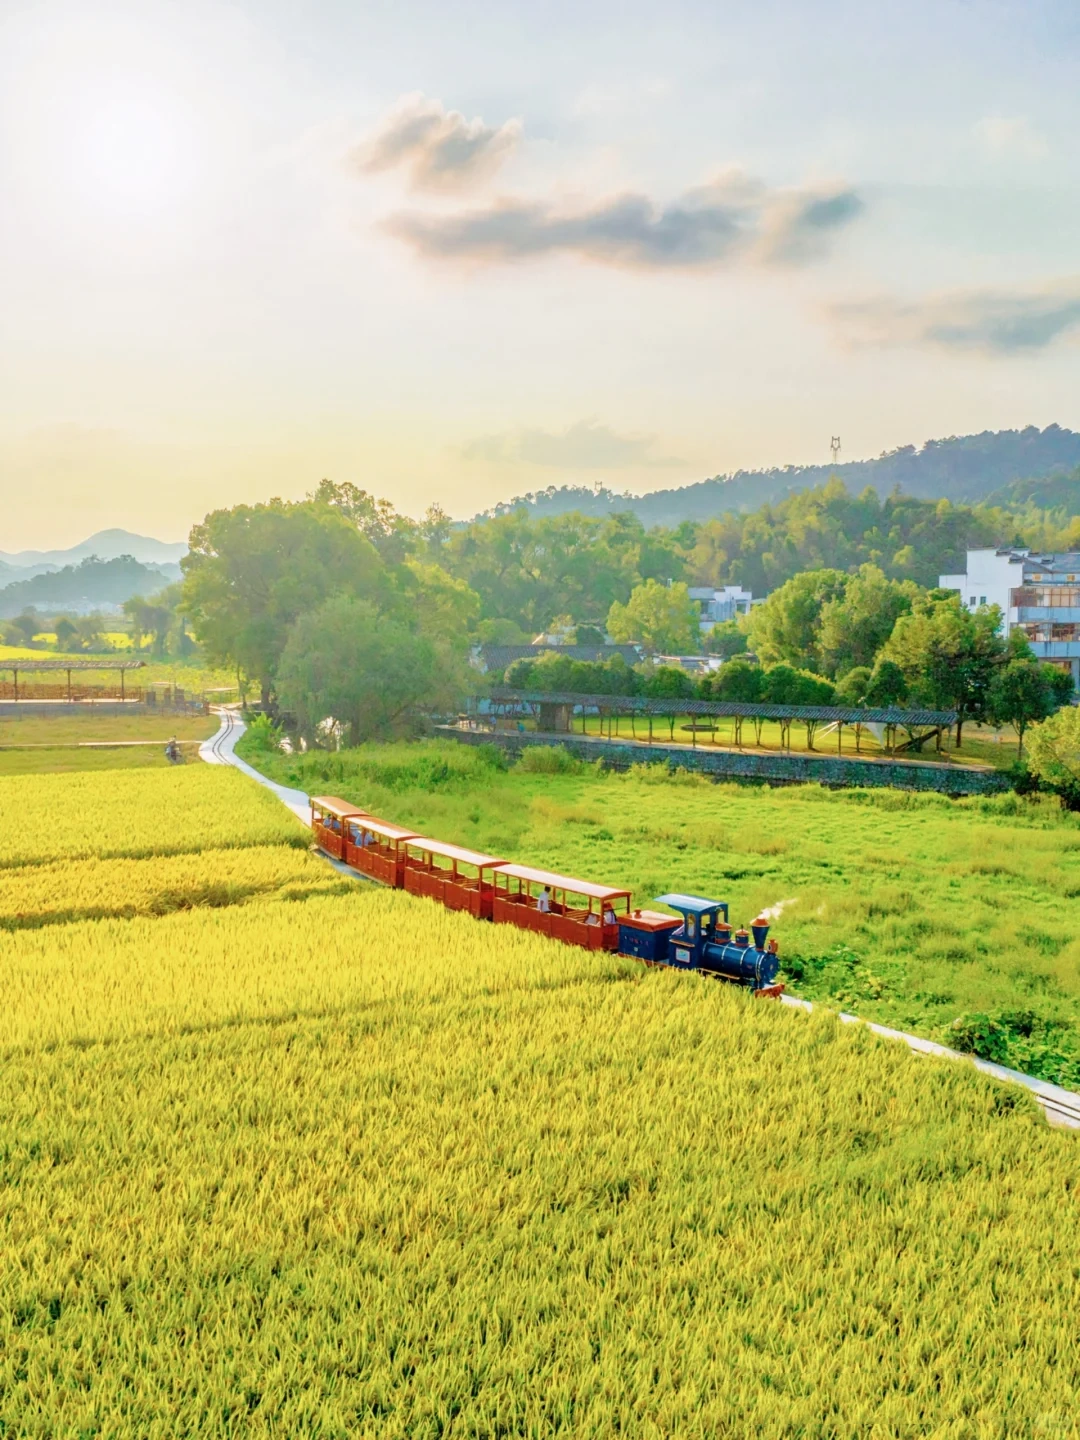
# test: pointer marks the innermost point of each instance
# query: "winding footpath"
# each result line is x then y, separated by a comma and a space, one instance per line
1062, 1107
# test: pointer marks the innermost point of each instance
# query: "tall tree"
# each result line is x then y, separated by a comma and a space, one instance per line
65, 631
855, 625
394, 536
252, 571
22, 629
662, 618
345, 662
787, 628
949, 655
1054, 754
1022, 692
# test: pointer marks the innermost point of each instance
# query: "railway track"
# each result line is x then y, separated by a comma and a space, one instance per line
1061, 1107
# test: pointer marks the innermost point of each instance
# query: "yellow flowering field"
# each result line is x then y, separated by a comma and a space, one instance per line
66, 890
132, 814
351, 1165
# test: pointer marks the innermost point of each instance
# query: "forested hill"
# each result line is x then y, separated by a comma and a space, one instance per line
965, 468
94, 582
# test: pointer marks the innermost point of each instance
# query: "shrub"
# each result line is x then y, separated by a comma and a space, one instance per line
549, 760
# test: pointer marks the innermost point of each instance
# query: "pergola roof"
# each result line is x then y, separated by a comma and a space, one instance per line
642, 705
65, 665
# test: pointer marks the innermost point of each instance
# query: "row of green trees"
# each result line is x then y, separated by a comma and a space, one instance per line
888, 642
526, 571
938, 656
339, 606
75, 635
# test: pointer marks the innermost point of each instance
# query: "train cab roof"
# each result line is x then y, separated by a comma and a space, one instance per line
333, 805
562, 882
691, 904
454, 852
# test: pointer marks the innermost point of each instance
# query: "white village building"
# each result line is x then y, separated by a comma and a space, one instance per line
723, 604
1037, 593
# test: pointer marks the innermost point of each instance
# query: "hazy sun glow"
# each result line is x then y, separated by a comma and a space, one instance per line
132, 150
209, 298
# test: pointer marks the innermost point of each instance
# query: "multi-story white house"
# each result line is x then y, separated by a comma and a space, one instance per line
1036, 593
723, 604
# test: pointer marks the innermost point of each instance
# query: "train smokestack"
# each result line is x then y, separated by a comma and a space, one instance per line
760, 930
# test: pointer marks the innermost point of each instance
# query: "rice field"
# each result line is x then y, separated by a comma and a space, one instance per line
308, 1158
959, 920
119, 815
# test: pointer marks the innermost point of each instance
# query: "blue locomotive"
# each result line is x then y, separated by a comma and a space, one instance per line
702, 941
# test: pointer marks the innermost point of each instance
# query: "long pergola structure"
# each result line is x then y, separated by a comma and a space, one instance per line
27, 666
930, 722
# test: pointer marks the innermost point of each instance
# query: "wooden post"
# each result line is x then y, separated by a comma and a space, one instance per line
69, 686
122, 683
839, 733
15, 672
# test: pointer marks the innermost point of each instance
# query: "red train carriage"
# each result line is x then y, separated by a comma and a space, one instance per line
460, 879
329, 816
575, 911
377, 848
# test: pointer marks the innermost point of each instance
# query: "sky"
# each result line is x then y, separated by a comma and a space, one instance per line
455, 253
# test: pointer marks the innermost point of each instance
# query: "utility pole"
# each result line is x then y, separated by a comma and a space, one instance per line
834, 446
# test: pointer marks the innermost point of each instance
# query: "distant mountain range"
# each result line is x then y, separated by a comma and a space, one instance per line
106, 545
1003, 467
102, 572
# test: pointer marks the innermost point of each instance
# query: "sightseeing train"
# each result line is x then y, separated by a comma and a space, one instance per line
578, 912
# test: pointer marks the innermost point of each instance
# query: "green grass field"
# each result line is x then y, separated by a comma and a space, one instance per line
59, 743
957, 919
72, 725
282, 1154
980, 744
192, 675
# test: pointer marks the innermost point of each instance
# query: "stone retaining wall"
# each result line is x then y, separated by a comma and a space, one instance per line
836, 771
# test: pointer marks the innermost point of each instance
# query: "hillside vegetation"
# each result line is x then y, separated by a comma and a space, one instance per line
324, 1164
961, 469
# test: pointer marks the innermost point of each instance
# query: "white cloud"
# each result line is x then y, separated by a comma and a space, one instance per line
732, 218
997, 322
1010, 137
439, 148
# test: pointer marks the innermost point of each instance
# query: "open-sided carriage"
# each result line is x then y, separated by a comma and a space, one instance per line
377, 849
329, 819
458, 878
576, 911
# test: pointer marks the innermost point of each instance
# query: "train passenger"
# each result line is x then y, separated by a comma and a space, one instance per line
543, 901
592, 918
609, 915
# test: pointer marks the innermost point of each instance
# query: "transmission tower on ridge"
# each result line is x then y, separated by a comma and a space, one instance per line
834, 446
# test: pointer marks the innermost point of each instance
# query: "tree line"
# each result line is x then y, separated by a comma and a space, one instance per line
337, 605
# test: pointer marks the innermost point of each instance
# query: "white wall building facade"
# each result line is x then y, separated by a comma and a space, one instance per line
717, 605
1036, 593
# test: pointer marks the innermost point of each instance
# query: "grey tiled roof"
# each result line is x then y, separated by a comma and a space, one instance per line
498, 657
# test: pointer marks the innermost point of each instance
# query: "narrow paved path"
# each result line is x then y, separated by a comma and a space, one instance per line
220, 749
1062, 1107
